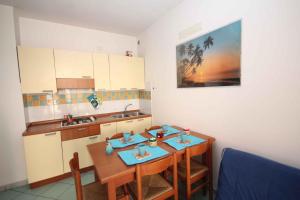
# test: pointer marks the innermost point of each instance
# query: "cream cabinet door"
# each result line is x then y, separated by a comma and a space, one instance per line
108, 129
37, 70
43, 156
80, 146
126, 126
138, 72
120, 72
142, 124
73, 64
101, 71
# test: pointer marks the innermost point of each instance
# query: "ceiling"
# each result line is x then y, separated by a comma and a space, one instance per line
129, 17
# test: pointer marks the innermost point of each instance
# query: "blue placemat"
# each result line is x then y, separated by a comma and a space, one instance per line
129, 157
170, 131
135, 139
174, 142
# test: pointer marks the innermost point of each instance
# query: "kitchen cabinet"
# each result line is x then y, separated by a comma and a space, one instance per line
138, 72
73, 64
135, 125
43, 156
108, 129
126, 72
79, 145
142, 124
37, 70
101, 71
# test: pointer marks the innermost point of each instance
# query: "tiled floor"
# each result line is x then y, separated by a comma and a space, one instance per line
63, 190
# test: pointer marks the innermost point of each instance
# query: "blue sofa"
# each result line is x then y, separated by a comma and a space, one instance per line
244, 176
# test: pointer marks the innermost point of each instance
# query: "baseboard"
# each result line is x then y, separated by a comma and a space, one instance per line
57, 178
13, 185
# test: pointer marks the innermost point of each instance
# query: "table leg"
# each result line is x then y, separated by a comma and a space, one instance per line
111, 190
210, 176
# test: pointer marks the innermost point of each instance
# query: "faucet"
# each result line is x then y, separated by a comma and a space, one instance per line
125, 109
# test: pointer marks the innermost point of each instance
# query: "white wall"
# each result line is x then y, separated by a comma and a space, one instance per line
260, 116
36, 33
12, 122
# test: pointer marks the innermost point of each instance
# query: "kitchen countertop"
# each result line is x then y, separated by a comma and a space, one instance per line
55, 125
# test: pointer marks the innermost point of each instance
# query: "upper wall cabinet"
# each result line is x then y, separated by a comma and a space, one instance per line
36, 70
101, 71
73, 64
126, 72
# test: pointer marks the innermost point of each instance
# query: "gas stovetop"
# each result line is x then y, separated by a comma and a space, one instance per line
77, 121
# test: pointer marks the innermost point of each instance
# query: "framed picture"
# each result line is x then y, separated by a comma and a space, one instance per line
213, 59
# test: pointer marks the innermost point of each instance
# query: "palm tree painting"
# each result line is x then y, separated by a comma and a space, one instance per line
212, 59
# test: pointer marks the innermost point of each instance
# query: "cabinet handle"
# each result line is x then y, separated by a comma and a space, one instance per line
106, 124
48, 91
129, 121
81, 129
86, 76
142, 119
93, 137
49, 134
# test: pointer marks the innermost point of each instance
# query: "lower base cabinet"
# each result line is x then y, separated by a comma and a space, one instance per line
136, 125
43, 156
79, 145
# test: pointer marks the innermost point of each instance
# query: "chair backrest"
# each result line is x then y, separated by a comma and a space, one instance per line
155, 168
119, 135
74, 166
197, 150
153, 128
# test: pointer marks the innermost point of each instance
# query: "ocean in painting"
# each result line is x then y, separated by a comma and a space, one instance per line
213, 59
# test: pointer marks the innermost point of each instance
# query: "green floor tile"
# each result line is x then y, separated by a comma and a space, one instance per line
69, 194
25, 197
42, 198
87, 178
37, 191
56, 190
69, 180
9, 194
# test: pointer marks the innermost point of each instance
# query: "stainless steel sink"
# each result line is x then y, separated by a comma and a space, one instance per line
128, 114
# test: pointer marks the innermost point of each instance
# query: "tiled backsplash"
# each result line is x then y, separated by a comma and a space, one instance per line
40, 107
80, 96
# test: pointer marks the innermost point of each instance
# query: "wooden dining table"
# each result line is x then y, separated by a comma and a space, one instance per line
111, 170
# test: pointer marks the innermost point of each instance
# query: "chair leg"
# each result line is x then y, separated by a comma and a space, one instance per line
188, 190
96, 176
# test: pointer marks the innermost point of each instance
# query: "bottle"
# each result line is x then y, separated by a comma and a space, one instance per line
109, 149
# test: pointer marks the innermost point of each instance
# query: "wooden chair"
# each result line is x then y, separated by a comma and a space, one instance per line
152, 128
119, 135
192, 170
150, 184
94, 190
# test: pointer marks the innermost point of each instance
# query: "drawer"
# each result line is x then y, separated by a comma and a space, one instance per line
79, 132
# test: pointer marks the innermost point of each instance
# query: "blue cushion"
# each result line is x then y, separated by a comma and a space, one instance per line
244, 176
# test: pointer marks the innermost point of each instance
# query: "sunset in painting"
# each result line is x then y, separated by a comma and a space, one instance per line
212, 59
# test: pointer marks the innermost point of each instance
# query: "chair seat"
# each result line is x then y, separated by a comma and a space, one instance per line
196, 168
153, 186
97, 191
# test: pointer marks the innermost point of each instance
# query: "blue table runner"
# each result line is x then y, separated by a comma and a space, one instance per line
135, 139
128, 156
170, 131
174, 142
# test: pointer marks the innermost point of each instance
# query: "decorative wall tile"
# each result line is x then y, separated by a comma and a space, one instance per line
80, 96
